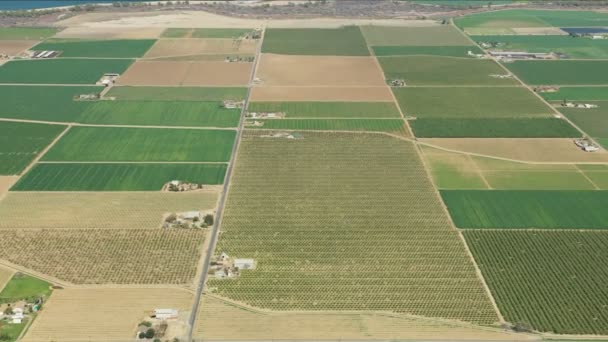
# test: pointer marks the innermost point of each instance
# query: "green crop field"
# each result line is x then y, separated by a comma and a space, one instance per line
550, 280
97, 48
437, 70
204, 33
528, 209
493, 128
160, 113
345, 41
413, 36
597, 173
463, 3
584, 48
27, 33
51, 103
21, 142
177, 93
329, 109
447, 51
61, 71
561, 72
470, 102
322, 215
116, 177
533, 18
142, 144
376, 125
22, 286
594, 121
577, 94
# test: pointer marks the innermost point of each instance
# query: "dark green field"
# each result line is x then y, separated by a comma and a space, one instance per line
142, 144
379, 125
493, 128
20, 143
160, 113
177, 93
552, 280
61, 71
470, 102
345, 41
561, 72
578, 94
527, 209
51, 103
437, 70
97, 48
116, 177
450, 51
329, 109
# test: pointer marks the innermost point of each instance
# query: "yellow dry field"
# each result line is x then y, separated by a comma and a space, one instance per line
349, 94
531, 149
208, 73
5, 183
183, 47
101, 314
14, 47
5, 276
98, 210
538, 31
110, 32
338, 71
224, 320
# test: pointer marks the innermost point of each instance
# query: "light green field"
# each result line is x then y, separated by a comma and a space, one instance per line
61, 71
127, 48
177, 93
344, 41
204, 33
27, 33
374, 125
533, 18
437, 70
142, 144
583, 48
593, 121
447, 51
22, 287
561, 72
445, 35
329, 109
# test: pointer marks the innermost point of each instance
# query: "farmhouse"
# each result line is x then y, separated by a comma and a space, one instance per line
244, 264
522, 55
165, 313
579, 105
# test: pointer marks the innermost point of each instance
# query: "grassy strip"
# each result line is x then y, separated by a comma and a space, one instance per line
388, 125
116, 177
177, 93
493, 128
97, 48
345, 41
329, 109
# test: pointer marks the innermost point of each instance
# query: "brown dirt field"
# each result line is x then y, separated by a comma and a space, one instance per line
209, 73
5, 276
282, 70
97, 210
110, 33
531, 149
5, 183
538, 30
101, 314
350, 94
14, 47
227, 321
183, 47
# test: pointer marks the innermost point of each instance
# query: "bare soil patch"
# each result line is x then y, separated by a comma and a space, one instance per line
5, 276
155, 73
14, 47
538, 31
348, 94
69, 316
184, 47
5, 183
532, 150
110, 32
282, 70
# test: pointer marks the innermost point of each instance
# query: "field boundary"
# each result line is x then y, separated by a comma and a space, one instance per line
44, 151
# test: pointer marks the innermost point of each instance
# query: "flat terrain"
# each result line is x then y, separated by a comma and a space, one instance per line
548, 279
97, 48
344, 41
577, 94
212, 73
61, 71
142, 144
21, 142
177, 93
226, 33
179, 47
116, 177
5, 276
328, 109
278, 70
322, 196
593, 121
27, 33
561, 72
527, 209
376, 125
115, 32
493, 128
22, 286
437, 70
93, 256
413, 36
585, 48
65, 318
89, 210
14, 47
533, 18
327, 94
447, 51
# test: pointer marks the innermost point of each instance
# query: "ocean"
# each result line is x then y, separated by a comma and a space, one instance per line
31, 4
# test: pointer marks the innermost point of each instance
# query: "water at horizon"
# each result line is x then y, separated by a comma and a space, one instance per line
32, 4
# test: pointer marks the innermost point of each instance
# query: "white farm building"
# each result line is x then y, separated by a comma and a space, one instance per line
244, 264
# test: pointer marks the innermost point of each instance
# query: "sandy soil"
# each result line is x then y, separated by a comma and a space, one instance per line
97, 210
111, 33
182, 47
533, 150
101, 314
207, 73
351, 94
538, 30
5, 183
14, 47
223, 321
188, 19
282, 70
